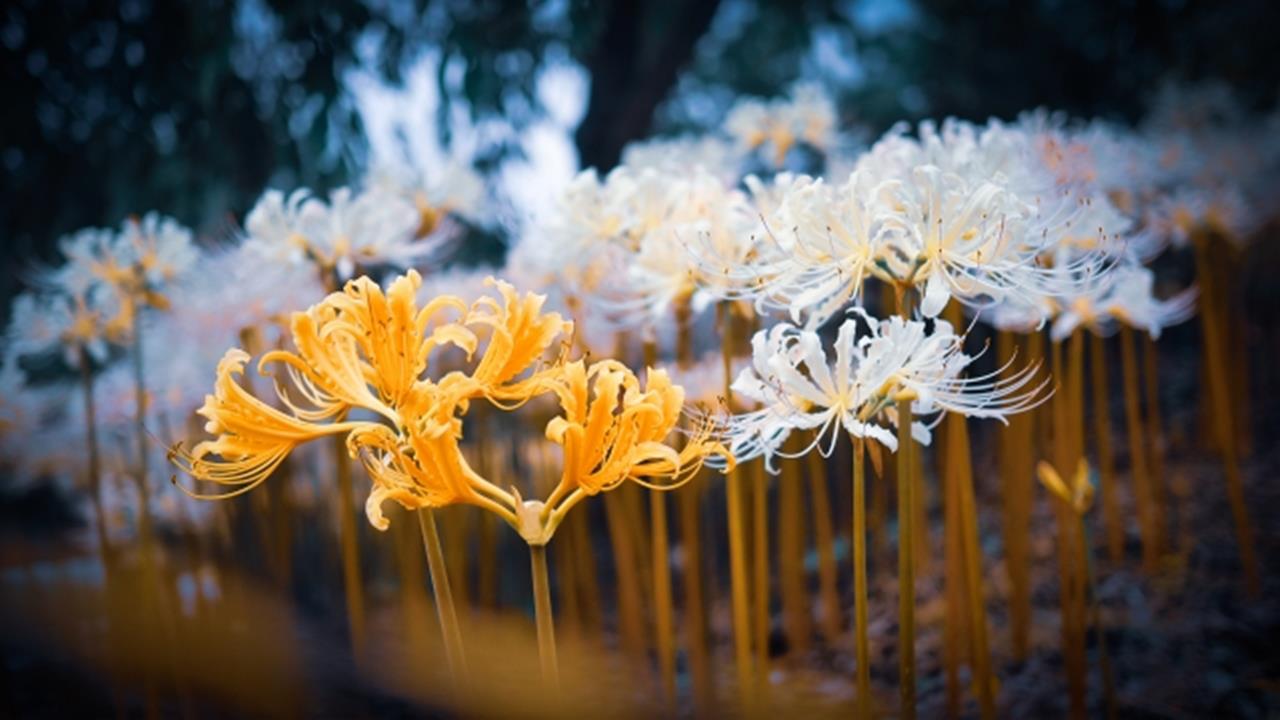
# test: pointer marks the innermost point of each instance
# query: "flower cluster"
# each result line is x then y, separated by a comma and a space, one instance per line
352, 230
806, 116
362, 367
798, 386
92, 299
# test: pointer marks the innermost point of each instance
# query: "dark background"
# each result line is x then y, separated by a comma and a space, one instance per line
187, 107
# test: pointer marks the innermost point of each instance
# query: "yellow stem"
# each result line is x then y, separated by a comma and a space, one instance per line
760, 575
1072, 634
906, 566
1147, 521
1015, 478
630, 621
695, 613
487, 591
447, 615
662, 596
737, 545
906, 546
1106, 461
861, 640
588, 582
958, 438
350, 552
688, 503
545, 621
954, 638
1220, 397
824, 539
795, 601
662, 602
1155, 429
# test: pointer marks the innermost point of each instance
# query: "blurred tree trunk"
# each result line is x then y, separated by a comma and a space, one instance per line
633, 66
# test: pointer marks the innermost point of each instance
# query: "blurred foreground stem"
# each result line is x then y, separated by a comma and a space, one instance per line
445, 611
546, 623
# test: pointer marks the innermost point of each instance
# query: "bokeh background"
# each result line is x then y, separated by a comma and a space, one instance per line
193, 108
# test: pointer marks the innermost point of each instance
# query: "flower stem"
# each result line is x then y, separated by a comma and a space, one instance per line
861, 641
630, 621
445, 611
906, 544
737, 544
688, 504
664, 626
1219, 396
1147, 520
95, 463
662, 602
1155, 426
350, 550
795, 600
824, 539
958, 439
1104, 656
1106, 460
1017, 491
906, 566
1068, 579
545, 620
760, 573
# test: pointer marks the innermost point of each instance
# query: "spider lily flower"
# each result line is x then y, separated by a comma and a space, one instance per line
363, 349
676, 156
798, 386
955, 237
45, 322
357, 349
1126, 296
159, 248
573, 250
613, 430
659, 266
519, 335
807, 115
453, 190
253, 438
1177, 215
831, 242
352, 230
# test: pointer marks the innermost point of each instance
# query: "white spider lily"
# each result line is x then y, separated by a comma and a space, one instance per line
1126, 296
160, 248
678, 155
455, 188
807, 115
351, 230
833, 243
798, 386
46, 322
